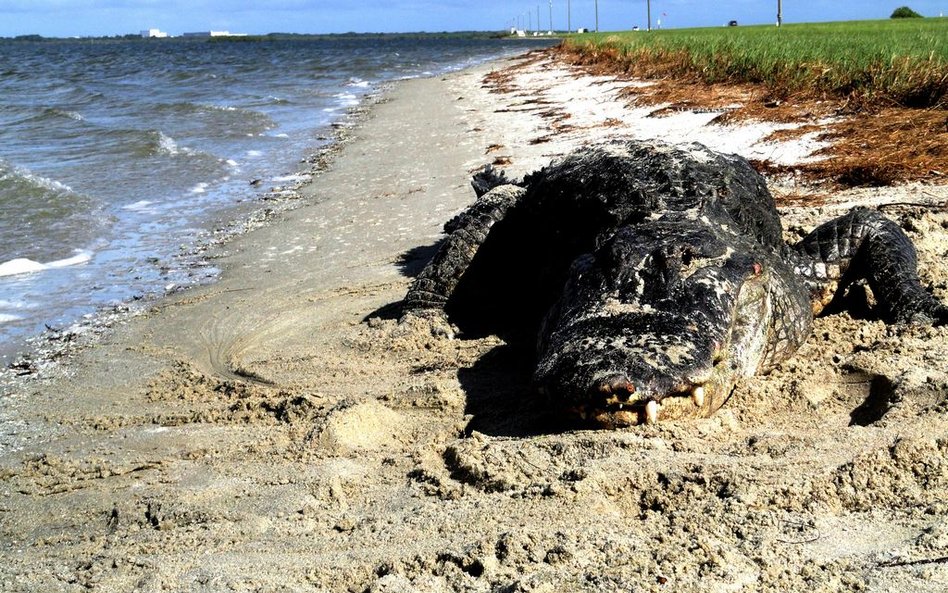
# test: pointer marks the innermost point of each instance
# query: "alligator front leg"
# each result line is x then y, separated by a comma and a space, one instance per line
432, 288
866, 244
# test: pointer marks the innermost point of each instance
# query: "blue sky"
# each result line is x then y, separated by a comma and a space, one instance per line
113, 17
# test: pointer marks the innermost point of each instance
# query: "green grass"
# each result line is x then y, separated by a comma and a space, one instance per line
904, 61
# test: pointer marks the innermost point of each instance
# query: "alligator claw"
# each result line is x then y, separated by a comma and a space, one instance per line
435, 319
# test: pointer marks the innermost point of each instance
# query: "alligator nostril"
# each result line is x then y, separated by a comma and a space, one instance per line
619, 387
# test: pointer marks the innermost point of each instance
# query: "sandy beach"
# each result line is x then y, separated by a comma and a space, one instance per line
280, 431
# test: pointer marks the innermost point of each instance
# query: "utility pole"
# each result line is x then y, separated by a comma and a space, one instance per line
569, 17
551, 17
648, 4
779, 13
597, 16
538, 17
529, 20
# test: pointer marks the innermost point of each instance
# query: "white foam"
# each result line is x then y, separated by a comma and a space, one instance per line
139, 205
10, 171
22, 265
254, 153
81, 257
167, 144
5, 318
200, 188
75, 115
292, 178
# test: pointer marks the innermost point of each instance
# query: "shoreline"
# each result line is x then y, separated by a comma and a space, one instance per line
38, 352
258, 434
25, 348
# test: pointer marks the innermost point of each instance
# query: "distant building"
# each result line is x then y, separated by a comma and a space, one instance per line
154, 33
214, 34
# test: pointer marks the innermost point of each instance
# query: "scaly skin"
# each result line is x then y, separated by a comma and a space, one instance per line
653, 277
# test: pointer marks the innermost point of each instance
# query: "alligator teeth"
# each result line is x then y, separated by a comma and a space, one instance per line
697, 396
651, 412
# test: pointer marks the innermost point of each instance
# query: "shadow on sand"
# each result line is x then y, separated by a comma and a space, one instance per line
500, 395
410, 264
501, 398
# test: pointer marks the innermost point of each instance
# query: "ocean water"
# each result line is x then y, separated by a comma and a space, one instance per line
117, 157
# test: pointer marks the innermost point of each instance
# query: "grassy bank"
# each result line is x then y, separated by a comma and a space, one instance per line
903, 62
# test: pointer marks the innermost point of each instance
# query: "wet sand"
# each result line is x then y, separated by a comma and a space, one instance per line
279, 431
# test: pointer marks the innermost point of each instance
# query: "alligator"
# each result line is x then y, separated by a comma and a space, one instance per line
652, 277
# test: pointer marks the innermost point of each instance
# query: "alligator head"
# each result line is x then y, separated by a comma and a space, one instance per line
659, 322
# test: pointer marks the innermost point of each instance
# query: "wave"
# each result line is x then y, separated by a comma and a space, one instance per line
22, 265
167, 145
54, 98
57, 113
13, 177
44, 214
221, 118
74, 115
47, 116
150, 143
269, 101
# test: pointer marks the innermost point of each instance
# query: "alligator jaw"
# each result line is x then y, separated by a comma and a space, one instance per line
618, 408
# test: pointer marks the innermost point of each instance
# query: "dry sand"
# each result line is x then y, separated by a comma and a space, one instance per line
260, 435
